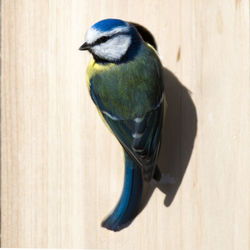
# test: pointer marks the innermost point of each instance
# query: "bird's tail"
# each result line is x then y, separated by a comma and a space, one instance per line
129, 204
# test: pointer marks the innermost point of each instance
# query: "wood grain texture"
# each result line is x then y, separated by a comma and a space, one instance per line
62, 170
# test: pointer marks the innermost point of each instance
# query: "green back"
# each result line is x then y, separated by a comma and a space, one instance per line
131, 89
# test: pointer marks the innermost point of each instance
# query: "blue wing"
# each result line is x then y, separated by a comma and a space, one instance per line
141, 140
140, 137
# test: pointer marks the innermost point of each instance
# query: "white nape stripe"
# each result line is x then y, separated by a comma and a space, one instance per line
110, 116
93, 34
138, 119
137, 135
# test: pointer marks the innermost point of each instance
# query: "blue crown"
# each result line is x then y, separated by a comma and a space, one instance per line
109, 24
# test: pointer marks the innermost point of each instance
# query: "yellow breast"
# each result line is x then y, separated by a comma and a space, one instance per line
95, 68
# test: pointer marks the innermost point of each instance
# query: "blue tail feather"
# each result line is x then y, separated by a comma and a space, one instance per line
129, 204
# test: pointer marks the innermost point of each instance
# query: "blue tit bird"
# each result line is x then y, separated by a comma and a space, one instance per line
124, 79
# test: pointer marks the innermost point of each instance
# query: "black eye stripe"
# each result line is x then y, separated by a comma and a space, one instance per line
103, 39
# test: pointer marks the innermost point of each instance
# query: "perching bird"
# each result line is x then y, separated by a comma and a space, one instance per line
124, 79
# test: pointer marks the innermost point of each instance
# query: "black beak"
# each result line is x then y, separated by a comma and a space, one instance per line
85, 46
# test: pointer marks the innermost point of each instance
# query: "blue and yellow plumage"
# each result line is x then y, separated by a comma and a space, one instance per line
125, 82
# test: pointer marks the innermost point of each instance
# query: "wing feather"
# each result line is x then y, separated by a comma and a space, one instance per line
144, 148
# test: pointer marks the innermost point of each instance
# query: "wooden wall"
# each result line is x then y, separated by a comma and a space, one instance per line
62, 171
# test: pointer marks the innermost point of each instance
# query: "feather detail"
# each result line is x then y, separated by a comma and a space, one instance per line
129, 204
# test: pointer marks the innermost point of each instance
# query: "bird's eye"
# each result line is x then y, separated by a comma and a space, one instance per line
102, 39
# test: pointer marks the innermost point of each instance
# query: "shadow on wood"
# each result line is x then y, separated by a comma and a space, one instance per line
178, 134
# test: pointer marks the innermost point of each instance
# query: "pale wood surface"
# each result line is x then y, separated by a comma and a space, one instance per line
62, 171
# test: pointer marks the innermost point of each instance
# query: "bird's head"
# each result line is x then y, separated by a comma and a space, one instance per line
112, 40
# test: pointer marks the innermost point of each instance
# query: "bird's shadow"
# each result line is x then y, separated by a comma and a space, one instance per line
178, 133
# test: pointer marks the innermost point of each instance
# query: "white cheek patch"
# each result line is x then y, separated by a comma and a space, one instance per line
93, 34
114, 48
